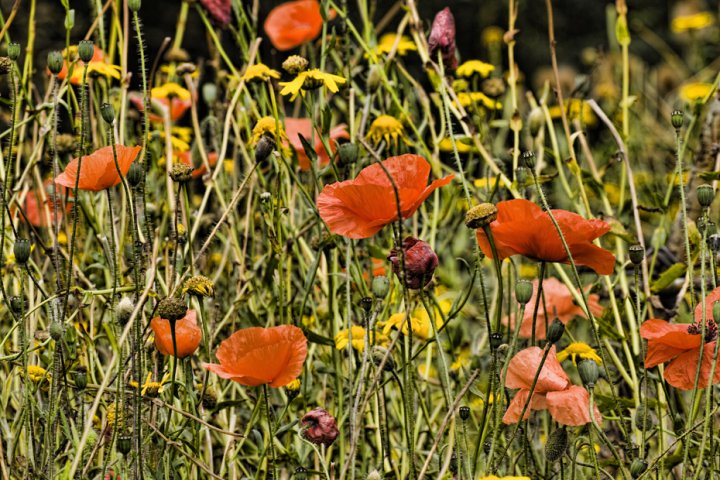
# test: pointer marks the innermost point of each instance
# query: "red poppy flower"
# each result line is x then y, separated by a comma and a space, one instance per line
34, 206
99, 64
187, 335
98, 169
177, 106
291, 24
294, 127
568, 404
559, 301
360, 208
256, 356
186, 158
523, 228
678, 345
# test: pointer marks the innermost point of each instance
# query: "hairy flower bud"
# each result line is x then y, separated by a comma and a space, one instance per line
556, 445
319, 427
442, 38
420, 262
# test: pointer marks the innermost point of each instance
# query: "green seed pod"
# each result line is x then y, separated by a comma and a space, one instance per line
172, 308
348, 153
134, 5
380, 286
21, 250
366, 303
70, 19
705, 195
556, 445
374, 78
529, 159
523, 291
80, 378
589, 372
638, 467
521, 175
480, 215
55, 62
464, 412
13, 51
677, 118
713, 242
555, 331
124, 444
107, 112
86, 50
135, 174
637, 254
209, 93
716, 312
18, 304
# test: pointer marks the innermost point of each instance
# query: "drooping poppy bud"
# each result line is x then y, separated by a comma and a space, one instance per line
420, 262
319, 427
442, 38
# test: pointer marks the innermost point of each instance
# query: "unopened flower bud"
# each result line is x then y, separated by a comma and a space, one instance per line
556, 445
13, 51
442, 38
134, 5
135, 174
589, 372
380, 286
124, 310
677, 118
420, 262
80, 378
555, 331
638, 467
705, 195
637, 254
348, 153
108, 113
21, 250
464, 412
209, 93
86, 50
181, 173
56, 330
528, 159
374, 78
523, 291
295, 64
172, 308
55, 62
264, 148
319, 427
480, 215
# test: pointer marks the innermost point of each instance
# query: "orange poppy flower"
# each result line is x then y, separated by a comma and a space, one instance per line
177, 106
559, 301
362, 207
678, 345
99, 64
187, 335
256, 356
34, 207
294, 127
186, 158
98, 169
523, 228
291, 24
568, 404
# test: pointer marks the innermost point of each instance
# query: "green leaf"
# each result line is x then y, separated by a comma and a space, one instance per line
668, 277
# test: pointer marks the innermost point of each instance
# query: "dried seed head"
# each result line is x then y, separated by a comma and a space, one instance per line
172, 308
295, 64
481, 215
181, 173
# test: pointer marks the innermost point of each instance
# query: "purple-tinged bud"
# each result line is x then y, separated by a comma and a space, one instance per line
420, 262
442, 38
319, 427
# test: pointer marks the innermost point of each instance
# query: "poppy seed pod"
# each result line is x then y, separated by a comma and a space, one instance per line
464, 412
348, 153
523, 291
442, 38
528, 158
21, 250
172, 308
124, 444
295, 64
380, 286
13, 51
555, 331
496, 340
56, 330
319, 427
556, 445
420, 262
366, 303
134, 5
677, 118
521, 176
480, 215
181, 173
637, 254
589, 372
705, 195
107, 112
80, 378
209, 93
17, 304
135, 175
86, 49
55, 62
638, 467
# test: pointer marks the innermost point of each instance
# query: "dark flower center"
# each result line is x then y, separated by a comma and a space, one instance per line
711, 330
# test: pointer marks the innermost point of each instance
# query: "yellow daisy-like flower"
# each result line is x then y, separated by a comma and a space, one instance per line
694, 21
473, 98
358, 338
474, 67
293, 386
387, 41
180, 138
579, 349
200, 286
268, 126
575, 108
260, 73
695, 92
170, 89
388, 128
104, 69
488, 182
462, 360
150, 388
310, 80
36, 373
445, 145
308, 321
112, 416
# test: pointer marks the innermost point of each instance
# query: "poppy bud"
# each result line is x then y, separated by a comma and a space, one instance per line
300, 473
319, 427
5, 65
380, 286
464, 412
172, 308
56, 330
80, 378
86, 49
295, 64
523, 291
420, 262
124, 310
21, 250
555, 331
480, 215
637, 254
135, 174
589, 372
13, 51
556, 445
55, 62
716, 312
677, 118
348, 153
442, 38
18, 304
638, 467
521, 176
209, 93
374, 79
124, 444
181, 173
107, 112
705, 195
495, 340
536, 120
528, 159
134, 5
264, 148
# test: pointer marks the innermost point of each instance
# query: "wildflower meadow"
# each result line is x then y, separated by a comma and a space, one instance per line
359, 239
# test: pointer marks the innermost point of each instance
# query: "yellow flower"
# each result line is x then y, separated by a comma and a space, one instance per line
150, 388
388, 128
260, 73
579, 349
112, 416
170, 89
492, 34
310, 80
575, 108
200, 286
462, 360
472, 98
293, 386
104, 69
478, 403
488, 182
358, 338
180, 138
693, 21
267, 126
695, 92
36, 373
308, 321
474, 67
420, 323
528, 271
445, 145
387, 41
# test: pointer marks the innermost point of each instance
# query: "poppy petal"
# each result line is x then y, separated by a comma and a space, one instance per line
512, 414
590, 255
681, 372
571, 407
524, 365
710, 300
673, 335
187, 335
291, 24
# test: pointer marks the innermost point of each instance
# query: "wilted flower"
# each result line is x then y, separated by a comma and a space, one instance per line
200, 286
219, 10
442, 38
420, 262
388, 128
319, 427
